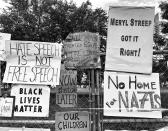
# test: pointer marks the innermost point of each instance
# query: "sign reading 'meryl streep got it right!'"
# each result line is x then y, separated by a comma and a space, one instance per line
130, 39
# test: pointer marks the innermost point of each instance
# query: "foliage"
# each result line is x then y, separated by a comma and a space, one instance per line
164, 8
50, 20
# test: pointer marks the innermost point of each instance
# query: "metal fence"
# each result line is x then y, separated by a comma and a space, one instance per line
90, 98
85, 102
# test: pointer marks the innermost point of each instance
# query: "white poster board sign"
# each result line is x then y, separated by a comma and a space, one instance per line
132, 95
31, 100
6, 106
72, 121
33, 62
129, 39
22, 129
125, 130
3, 37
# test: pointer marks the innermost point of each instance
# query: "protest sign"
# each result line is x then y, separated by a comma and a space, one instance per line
32, 62
66, 92
125, 130
163, 129
129, 39
3, 37
31, 101
22, 129
66, 96
67, 77
6, 106
82, 50
132, 95
72, 121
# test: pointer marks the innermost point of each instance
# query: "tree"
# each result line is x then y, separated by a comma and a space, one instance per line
50, 20
160, 65
164, 9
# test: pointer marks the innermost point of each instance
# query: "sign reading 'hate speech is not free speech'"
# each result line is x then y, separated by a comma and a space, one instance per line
33, 62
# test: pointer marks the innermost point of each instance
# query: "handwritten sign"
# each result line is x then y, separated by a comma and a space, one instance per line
66, 96
66, 92
130, 39
82, 50
67, 77
72, 121
6, 106
21, 129
3, 37
31, 101
33, 62
132, 95
124, 130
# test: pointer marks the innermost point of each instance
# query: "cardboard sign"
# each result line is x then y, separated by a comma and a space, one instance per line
6, 106
31, 101
132, 95
33, 62
66, 96
82, 50
72, 121
3, 37
129, 39
67, 77
66, 92
22, 129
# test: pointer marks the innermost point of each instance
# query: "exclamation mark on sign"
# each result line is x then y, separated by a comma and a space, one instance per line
139, 51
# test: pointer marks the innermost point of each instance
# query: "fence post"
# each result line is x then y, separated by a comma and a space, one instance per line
0, 80
93, 98
98, 99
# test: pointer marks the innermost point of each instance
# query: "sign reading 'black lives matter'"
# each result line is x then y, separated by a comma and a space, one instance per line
130, 39
33, 62
31, 100
132, 95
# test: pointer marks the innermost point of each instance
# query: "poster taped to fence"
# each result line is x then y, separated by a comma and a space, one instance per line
66, 92
130, 39
125, 130
33, 62
72, 121
67, 77
82, 50
6, 106
66, 96
3, 37
31, 100
22, 129
132, 95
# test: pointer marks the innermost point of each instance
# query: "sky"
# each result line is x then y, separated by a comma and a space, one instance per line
105, 3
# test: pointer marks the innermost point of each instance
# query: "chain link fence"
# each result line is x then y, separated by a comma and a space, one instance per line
90, 98
84, 103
